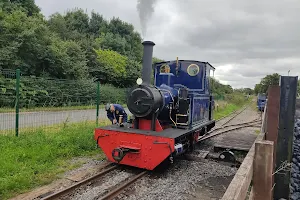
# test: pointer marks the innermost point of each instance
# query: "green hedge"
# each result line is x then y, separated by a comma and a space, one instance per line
44, 92
236, 99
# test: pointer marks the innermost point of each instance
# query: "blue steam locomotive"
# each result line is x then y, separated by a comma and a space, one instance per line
169, 115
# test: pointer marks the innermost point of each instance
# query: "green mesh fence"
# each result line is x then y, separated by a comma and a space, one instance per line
7, 100
44, 102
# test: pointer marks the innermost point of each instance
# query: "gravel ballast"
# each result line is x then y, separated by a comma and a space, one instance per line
179, 181
295, 169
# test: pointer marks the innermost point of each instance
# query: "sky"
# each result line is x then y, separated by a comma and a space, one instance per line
244, 40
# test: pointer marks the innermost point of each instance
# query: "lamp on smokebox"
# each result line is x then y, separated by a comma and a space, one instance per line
139, 81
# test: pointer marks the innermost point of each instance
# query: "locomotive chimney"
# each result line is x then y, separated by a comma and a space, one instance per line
147, 61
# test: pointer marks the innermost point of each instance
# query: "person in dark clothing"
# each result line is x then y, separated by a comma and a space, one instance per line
114, 111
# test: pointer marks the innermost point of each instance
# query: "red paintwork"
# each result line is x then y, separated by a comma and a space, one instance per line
145, 124
149, 155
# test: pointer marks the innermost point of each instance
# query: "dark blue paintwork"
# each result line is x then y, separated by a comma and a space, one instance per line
261, 101
173, 77
169, 93
196, 83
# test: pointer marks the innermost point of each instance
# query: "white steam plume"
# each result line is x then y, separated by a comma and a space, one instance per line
145, 9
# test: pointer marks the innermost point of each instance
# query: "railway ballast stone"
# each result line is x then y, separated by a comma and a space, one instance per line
295, 168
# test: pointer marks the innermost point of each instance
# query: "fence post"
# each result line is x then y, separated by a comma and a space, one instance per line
262, 170
98, 102
288, 91
17, 100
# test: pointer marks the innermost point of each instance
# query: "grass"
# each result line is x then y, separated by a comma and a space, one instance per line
10, 110
37, 158
226, 108
223, 109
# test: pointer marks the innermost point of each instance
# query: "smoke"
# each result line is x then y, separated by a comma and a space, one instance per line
145, 9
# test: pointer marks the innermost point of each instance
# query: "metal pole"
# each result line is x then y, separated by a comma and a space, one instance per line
98, 102
17, 100
284, 146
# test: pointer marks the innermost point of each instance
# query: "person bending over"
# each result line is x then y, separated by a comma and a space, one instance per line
114, 111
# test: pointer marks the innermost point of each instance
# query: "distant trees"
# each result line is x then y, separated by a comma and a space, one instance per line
70, 46
219, 89
247, 91
264, 84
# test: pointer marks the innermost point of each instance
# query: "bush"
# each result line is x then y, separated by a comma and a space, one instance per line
235, 98
43, 92
111, 94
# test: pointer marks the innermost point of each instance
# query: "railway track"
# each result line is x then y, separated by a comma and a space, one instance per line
122, 187
227, 128
234, 115
117, 189
112, 191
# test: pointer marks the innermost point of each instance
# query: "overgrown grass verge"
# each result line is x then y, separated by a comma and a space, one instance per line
224, 111
232, 103
37, 158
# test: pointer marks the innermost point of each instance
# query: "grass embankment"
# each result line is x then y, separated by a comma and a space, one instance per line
37, 158
231, 104
225, 110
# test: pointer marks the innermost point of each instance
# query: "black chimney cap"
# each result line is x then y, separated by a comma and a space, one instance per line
148, 43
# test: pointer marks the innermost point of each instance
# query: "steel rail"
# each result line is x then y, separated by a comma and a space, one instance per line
73, 187
225, 131
222, 127
122, 187
235, 115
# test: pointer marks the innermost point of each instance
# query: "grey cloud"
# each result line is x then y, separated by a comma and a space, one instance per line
255, 37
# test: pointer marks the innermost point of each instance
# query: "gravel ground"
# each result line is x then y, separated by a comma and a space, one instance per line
246, 116
100, 187
177, 182
295, 169
207, 179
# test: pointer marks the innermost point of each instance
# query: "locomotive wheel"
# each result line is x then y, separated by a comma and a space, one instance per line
227, 156
192, 145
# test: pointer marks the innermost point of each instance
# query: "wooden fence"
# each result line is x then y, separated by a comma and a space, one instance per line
258, 177
248, 172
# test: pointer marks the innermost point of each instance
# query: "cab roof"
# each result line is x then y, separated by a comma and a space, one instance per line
172, 61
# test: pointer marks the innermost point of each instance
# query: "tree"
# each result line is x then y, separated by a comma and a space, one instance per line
112, 66
247, 91
27, 6
97, 24
257, 88
68, 60
267, 81
112, 42
58, 25
23, 42
78, 23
